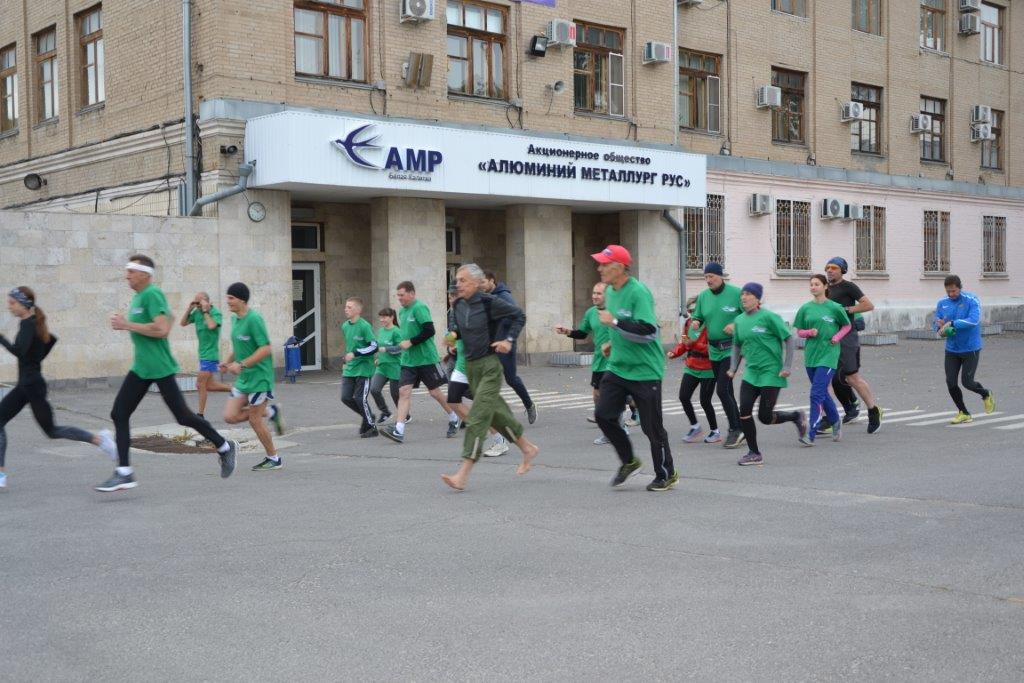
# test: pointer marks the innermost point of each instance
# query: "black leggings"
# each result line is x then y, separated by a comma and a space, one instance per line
707, 389
723, 386
377, 383
964, 365
129, 396
34, 394
766, 412
647, 394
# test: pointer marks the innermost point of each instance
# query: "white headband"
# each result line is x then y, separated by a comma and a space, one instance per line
138, 266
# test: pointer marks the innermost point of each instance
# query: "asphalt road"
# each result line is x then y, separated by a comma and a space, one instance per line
893, 556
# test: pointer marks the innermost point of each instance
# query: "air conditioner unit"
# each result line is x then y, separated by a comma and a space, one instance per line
689, 3
981, 114
561, 33
831, 207
769, 96
852, 111
655, 53
854, 212
969, 24
981, 131
970, 5
760, 204
919, 123
417, 10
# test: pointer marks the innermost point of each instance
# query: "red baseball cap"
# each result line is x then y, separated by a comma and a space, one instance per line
613, 253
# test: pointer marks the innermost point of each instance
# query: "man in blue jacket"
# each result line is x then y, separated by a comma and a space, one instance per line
508, 360
958, 319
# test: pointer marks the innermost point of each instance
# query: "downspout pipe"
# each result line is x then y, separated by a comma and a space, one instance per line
244, 171
190, 140
681, 242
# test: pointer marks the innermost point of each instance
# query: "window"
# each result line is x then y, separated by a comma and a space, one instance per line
797, 7
991, 150
788, 120
932, 148
307, 236
936, 241
864, 133
330, 39
994, 246
700, 92
867, 16
705, 238
933, 24
46, 73
792, 235
476, 49
598, 72
8, 88
90, 32
991, 33
452, 237
871, 240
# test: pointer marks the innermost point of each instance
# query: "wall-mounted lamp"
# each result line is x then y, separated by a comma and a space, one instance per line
228, 149
34, 181
557, 87
811, 161
726, 150
539, 46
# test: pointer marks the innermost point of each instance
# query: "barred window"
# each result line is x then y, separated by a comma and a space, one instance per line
331, 39
994, 245
936, 241
933, 24
8, 88
871, 239
792, 235
705, 238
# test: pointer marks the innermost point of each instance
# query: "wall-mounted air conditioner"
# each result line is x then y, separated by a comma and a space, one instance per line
920, 123
969, 24
417, 10
982, 131
854, 212
832, 207
561, 33
769, 96
852, 111
656, 53
981, 114
970, 5
760, 204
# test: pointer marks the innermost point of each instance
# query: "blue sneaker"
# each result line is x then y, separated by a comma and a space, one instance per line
389, 432
693, 436
3, 480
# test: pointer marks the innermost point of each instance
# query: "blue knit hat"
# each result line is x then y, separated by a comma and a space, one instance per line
754, 288
715, 268
838, 261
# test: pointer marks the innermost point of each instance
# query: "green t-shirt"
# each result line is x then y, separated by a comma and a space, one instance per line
636, 360
387, 364
358, 334
209, 340
699, 374
153, 359
411, 319
761, 334
248, 334
460, 356
716, 311
826, 317
591, 324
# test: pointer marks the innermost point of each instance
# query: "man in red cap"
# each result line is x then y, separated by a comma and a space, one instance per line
636, 365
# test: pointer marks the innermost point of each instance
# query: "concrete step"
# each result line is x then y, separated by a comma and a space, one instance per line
879, 339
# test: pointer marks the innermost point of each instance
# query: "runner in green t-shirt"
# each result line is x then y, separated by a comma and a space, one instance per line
420, 363
389, 366
636, 365
759, 338
823, 323
717, 307
149, 322
207, 319
251, 359
360, 351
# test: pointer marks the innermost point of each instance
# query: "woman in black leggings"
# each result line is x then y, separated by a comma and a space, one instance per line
31, 345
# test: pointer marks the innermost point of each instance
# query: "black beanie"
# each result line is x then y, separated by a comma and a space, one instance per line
239, 291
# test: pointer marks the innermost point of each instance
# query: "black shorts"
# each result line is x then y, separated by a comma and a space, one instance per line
457, 391
849, 356
595, 379
431, 376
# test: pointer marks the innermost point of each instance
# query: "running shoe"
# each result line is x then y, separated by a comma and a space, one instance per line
118, 482
531, 413
633, 420
384, 417
837, 433
801, 429
751, 459
664, 484
693, 436
734, 438
108, 445
824, 426
453, 427
277, 420
714, 436
990, 403
498, 447
389, 432
268, 464
874, 419
852, 414
602, 441
3, 480
591, 419
961, 418
408, 419
227, 459
625, 472
369, 433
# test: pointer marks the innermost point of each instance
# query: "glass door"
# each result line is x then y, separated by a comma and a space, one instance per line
306, 312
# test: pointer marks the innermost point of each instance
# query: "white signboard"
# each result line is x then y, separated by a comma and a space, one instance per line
359, 157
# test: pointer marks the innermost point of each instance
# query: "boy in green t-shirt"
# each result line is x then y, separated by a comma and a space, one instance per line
360, 349
207, 319
251, 359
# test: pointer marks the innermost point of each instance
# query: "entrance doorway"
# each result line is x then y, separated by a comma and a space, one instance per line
306, 312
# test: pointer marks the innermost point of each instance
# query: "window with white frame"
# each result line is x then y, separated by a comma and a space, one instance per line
936, 241
700, 91
90, 39
46, 74
705, 237
792, 235
991, 33
871, 240
994, 245
8, 88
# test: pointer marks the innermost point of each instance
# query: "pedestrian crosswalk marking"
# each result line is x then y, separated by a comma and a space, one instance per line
985, 419
928, 423
1016, 426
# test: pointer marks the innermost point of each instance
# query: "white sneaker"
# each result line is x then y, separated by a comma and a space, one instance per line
107, 444
601, 441
3, 480
498, 447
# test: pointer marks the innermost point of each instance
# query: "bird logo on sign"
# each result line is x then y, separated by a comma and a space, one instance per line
353, 146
